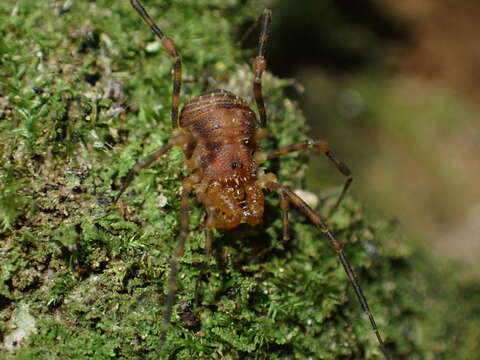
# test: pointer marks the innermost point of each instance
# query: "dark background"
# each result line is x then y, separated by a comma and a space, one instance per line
393, 86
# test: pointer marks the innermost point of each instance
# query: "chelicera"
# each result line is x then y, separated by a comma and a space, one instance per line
219, 134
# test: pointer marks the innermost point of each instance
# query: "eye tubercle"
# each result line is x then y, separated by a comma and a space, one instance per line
236, 165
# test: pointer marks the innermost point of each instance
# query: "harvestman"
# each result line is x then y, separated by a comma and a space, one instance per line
219, 134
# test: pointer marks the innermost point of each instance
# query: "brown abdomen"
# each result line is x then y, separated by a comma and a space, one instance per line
204, 104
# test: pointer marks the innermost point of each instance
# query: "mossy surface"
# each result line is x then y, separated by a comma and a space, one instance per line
84, 92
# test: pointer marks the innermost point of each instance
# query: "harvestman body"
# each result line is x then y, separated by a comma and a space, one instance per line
219, 134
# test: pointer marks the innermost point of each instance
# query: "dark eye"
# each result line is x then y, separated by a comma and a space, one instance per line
236, 165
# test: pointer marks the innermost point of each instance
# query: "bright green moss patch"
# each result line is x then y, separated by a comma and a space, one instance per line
84, 93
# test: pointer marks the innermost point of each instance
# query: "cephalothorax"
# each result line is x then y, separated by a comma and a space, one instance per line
219, 134
221, 152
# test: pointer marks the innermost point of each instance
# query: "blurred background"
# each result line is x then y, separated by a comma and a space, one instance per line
393, 86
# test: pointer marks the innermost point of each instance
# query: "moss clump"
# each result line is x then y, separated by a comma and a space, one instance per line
81, 99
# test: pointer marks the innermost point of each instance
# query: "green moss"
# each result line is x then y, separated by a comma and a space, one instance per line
84, 94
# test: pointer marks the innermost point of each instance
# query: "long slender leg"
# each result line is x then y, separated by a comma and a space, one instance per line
338, 248
260, 64
284, 208
170, 47
208, 253
172, 281
324, 148
141, 165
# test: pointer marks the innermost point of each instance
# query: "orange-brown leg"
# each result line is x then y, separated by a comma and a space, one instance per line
284, 208
324, 148
178, 253
338, 248
260, 64
170, 47
141, 165
208, 253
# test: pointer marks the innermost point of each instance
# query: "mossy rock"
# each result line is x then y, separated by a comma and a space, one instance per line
85, 91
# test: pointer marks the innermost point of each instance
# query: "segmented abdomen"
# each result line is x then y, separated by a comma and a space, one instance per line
213, 100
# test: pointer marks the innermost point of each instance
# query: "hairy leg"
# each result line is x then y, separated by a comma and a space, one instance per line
178, 253
141, 165
171, 48
338, 248
260, 64
208, 254
324, 148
